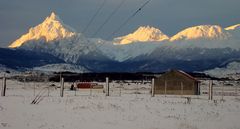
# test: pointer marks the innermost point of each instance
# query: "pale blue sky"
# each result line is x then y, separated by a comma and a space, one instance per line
171, 16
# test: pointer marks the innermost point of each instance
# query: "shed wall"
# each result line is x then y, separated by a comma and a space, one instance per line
176, 83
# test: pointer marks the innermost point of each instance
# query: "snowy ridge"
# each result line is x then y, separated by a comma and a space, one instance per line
62, 68
234, 30
234, 27
51, 29
201, 32
125, 52
142, 34
232, 71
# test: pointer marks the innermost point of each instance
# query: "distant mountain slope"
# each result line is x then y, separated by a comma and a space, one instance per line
3, 68
17, 58
232, 71
7, 72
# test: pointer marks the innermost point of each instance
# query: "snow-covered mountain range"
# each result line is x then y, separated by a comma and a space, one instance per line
146, 49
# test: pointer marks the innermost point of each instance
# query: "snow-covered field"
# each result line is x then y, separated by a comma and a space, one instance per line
129, 106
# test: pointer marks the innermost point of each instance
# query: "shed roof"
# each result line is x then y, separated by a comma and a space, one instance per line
184, 74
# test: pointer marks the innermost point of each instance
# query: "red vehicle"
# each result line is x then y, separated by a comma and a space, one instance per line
84, 85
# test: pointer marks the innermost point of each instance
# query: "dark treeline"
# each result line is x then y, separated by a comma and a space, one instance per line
101, 77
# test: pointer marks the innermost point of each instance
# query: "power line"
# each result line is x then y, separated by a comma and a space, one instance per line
94, 16
128, 19
109, 17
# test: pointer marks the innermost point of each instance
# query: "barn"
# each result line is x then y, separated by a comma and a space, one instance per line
176, 82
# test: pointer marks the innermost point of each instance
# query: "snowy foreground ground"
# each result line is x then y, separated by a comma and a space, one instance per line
120, 111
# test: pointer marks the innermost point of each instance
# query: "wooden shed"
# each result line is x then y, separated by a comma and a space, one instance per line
176, 82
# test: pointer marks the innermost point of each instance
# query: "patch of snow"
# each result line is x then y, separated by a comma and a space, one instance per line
62, 68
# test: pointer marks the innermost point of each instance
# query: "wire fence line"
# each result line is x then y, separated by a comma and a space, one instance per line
221, 89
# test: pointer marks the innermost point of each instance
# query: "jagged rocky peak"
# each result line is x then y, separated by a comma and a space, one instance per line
52, 28
142, 34
53, 16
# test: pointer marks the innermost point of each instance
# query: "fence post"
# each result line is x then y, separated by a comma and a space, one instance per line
210, 92
137, 89
48, 91
153, 87
222, 91
34, 88
46, 82
107, 86
75, 88
62, 87
199, 89
91, 89
236, 91
3, 93
121, 89
165, 87
181, 88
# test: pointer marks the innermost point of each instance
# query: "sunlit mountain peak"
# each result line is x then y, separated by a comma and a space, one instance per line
52, 28
201, 32
142, 34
